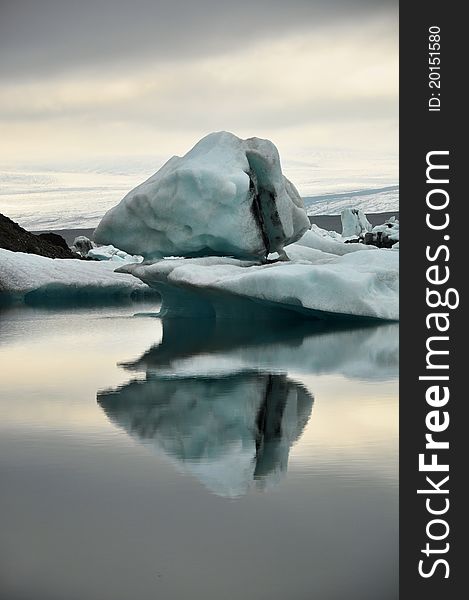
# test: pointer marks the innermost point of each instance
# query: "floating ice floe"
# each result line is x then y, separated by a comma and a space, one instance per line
225, 197
88, 249
32, 278
360, 284
326, 241
114, 254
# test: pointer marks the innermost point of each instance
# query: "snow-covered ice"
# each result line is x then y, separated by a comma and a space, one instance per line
326, 241
88, 249
33, 278
226, 196
389, 229
113, 254
360, 284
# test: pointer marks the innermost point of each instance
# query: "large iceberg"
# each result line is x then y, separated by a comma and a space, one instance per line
225, 197
247, 247
35, 279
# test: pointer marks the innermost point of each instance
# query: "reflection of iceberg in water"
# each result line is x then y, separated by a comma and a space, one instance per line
228, 431
210, 347
216, 397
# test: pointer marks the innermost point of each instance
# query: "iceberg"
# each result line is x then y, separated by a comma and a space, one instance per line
31, 278
355, 225
354, 222
358, 285
223, 234
225, 197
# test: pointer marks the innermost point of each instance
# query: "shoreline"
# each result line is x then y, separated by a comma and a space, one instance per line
329, 222
68, 234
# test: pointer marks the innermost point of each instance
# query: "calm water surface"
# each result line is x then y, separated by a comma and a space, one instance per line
148, 460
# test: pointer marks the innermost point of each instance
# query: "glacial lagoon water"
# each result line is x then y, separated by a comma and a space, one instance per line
180, 459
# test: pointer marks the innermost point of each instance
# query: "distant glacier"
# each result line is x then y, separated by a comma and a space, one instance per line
378, 200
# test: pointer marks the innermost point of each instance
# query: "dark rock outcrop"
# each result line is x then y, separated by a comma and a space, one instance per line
53, 238
15, 238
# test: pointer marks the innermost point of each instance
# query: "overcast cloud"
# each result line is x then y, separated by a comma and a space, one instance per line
104, 77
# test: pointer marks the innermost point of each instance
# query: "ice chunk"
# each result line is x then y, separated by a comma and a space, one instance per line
88, 249
114, 254
326, 233
357, 285
316, 238
389, 230
82, 245
33, 278
354, 222
226, 196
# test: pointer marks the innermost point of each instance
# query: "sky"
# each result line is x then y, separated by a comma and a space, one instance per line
94, 79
